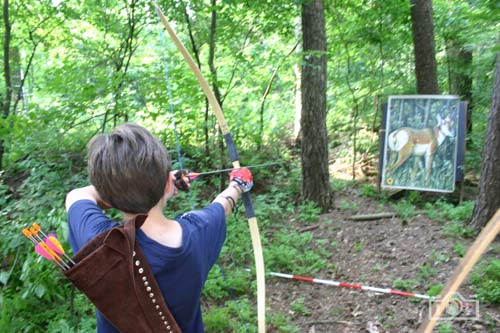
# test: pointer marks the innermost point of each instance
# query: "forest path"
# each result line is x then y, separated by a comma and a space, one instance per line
414, 251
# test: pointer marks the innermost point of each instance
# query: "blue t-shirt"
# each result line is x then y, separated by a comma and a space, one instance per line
180, 272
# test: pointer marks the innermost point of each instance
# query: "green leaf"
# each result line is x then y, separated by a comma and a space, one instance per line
4, 277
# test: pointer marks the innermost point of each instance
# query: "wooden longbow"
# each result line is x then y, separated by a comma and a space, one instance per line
247, 201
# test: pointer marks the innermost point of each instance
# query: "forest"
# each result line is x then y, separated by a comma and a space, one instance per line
303, 86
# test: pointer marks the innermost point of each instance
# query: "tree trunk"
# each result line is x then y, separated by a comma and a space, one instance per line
298, 87
423, 46
196, 55
314, 148
211, 52
488, 199
215, 87
7, 73
459, 73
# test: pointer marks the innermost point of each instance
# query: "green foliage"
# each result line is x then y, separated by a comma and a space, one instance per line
4, 191
369, 191
438, 257
39, 193
358, 246
340, 184
457, 228
459, 249
281, 323
453, 217
349, 206
444, 211
445, 328
309, 212
286, 253
216, 318
298, 306
404, 208
405, 284
486, 281
427, 271
435, 290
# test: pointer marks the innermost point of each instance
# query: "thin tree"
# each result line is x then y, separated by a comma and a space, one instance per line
488, 199
314, 147
459, 59
6, 102
298, 82
120, 61
423, 46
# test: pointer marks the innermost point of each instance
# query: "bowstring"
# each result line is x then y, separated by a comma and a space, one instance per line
179, 158
170, 99
171, 106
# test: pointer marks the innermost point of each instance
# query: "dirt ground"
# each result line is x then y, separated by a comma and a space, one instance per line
377, 253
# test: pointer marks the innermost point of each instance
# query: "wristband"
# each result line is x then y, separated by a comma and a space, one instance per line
237, 188
234, 208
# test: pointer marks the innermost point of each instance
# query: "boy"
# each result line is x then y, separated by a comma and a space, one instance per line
129, 169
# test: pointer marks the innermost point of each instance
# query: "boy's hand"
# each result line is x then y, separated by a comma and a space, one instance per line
243, 177
181, 180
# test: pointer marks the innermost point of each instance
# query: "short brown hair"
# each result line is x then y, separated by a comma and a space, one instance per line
129, 168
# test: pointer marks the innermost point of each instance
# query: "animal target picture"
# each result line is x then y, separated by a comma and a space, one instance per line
420, 142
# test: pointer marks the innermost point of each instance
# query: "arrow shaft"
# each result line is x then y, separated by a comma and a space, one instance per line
230, 169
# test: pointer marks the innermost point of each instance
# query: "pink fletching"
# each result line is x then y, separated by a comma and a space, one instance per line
193, 175
41, 251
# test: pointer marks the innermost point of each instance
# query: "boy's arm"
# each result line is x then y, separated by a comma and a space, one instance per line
232, 191
84, 193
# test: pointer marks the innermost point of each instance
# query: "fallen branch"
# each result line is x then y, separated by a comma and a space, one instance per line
309, 228
378, 216
327, 322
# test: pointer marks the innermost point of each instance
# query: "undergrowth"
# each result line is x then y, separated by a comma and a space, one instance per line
486, 281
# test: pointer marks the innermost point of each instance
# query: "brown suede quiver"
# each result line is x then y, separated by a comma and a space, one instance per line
114, 274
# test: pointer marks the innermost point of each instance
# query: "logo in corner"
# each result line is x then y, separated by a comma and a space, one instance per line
459, 308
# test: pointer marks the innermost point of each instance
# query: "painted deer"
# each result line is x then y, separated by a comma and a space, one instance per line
406, 142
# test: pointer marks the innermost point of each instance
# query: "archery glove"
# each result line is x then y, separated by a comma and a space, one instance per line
243, 177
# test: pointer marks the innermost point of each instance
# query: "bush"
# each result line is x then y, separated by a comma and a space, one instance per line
486, 281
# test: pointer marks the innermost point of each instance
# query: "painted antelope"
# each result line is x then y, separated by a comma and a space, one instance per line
420, 143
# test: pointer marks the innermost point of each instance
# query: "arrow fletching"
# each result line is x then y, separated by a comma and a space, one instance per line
41, 251
54, 244
193, 175
50, 239
50, 248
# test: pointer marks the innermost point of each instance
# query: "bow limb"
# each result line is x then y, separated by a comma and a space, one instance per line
252, 220
480, 245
